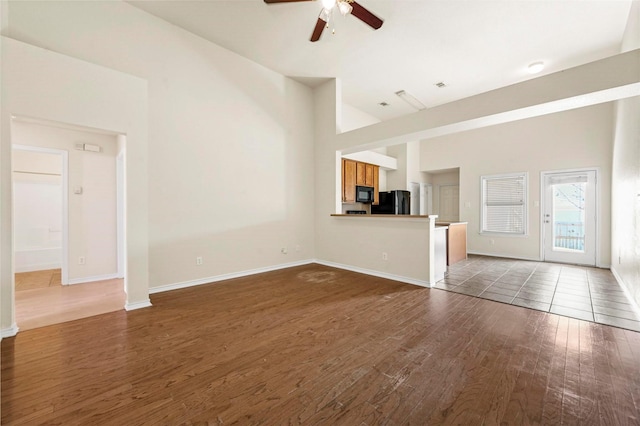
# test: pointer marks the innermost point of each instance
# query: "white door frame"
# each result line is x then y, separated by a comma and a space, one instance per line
414, 188
121, 213
65, 202
426, 198
543, 176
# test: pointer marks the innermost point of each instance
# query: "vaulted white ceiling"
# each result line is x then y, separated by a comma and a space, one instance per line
471, 45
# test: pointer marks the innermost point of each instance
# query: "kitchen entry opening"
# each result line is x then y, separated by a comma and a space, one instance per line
569, 217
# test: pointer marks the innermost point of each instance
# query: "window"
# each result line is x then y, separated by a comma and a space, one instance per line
504, 204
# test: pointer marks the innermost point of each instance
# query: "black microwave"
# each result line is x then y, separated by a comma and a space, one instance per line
364, 194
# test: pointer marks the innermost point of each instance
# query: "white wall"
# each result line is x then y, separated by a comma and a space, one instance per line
37, 207
231, 142
408, 166
625, 196
92, 214
562, 112
572, 139
397, 179
353, 118
357, 243
45, 85
413, 162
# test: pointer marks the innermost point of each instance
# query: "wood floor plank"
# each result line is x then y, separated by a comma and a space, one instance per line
317, 345
619, 356
457, 403
553, 399
526, 362
587, 381
537, 385
520, 359
602, 371
571, 385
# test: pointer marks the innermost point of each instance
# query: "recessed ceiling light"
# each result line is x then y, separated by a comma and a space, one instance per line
535, 67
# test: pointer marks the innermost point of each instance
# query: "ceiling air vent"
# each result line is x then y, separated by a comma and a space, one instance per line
440, 85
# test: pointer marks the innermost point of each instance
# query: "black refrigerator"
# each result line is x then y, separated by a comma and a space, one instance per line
393, 202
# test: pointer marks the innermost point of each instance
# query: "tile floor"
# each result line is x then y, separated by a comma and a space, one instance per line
590, 294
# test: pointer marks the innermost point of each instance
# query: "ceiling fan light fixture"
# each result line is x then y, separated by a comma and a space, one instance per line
325, 15
410, 100
328, 4
344, 7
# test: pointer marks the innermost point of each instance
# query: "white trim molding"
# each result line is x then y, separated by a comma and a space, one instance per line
137, 305
506, 256
93, 279
9, 332
37, 267
223, 277
378, 274
632, 301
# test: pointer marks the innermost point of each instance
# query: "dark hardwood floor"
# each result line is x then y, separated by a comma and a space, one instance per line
316, 345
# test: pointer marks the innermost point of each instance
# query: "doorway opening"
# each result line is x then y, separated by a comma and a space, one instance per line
449, 203
68, 209
570, 217
442, 192
40, 216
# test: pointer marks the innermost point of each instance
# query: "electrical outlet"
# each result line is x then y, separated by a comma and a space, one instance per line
81, 260
493, 242
199, 260
283, 250
384, 256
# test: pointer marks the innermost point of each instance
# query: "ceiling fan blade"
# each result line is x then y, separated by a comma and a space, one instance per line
283, 1
365, 16
317, 31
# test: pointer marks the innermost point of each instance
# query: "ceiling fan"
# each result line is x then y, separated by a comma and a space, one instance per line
345, 7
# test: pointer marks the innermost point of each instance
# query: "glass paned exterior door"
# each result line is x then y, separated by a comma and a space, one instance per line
569, 217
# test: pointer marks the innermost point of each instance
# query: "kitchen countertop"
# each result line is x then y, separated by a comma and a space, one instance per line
399, 216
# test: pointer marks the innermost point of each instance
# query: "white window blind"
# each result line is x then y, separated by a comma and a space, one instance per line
504, 200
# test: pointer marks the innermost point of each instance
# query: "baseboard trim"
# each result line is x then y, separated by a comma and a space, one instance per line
223, 277
137, 305
633, 302
37, 267
599, 266
9, 332
93, 279
375, 273
477, 253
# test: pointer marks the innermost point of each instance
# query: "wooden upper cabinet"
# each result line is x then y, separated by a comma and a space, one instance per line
355, 173
364, 174
349, 170
361, 174
369, 174
376, 185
